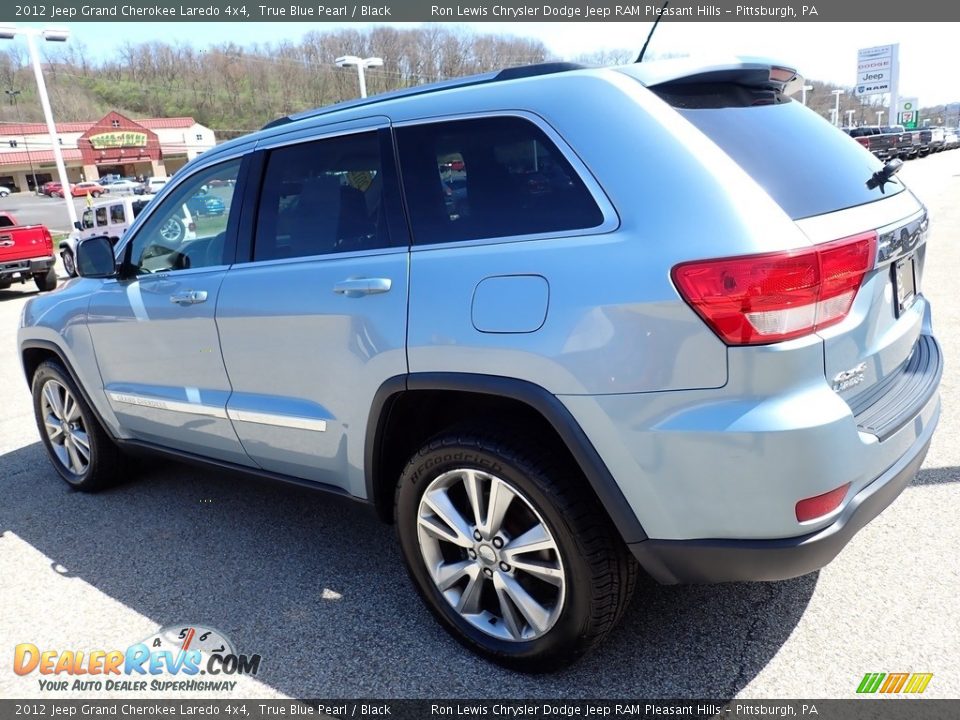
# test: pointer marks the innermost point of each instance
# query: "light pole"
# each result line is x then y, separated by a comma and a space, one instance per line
880, 116
9, 32
836, 105
850, 117
12, 94
362, 64
803, 94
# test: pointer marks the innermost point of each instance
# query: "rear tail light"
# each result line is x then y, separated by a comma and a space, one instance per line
761, 299
863, 141
820, 505
47, 239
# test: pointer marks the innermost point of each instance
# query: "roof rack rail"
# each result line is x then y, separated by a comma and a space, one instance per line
512, 73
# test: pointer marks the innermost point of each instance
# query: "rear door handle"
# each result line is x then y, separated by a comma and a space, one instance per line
191, 297
358, 287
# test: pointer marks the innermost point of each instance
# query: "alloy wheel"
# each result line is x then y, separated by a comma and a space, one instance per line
65, 428
491, 555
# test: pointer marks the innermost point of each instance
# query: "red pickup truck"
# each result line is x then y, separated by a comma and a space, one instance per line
26, 251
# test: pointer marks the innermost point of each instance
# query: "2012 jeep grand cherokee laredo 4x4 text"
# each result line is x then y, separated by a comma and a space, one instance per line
553, 340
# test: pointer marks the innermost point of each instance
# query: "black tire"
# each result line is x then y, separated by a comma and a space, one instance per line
600, 573
69, 262
105, 461
46, 281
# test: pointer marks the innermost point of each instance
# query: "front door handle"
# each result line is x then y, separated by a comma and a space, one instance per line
191, 297
358, 287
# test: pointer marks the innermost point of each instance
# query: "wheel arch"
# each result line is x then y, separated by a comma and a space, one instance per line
408, 409
34, 353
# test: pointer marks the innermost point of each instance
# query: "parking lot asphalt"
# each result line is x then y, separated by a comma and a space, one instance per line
316, 585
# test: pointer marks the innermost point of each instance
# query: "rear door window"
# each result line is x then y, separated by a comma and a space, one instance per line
323, 197
805, 164
487, 178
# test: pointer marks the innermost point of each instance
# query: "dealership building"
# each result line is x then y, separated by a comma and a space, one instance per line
112, 145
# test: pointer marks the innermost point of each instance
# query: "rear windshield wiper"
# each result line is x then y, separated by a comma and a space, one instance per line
883, 176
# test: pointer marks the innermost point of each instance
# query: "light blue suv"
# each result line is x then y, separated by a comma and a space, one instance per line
556, 323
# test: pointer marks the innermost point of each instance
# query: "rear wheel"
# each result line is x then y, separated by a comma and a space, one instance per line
510, 552
95, 193
46, 281
69, 263
79, 449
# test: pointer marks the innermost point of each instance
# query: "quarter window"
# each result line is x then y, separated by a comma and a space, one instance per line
188, 229
322, 197
489, 177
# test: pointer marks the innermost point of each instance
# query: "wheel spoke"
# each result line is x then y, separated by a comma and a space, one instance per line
54, 430
533, 540
500, 498
82, 444
469, 603
548, 573
458, 529
52, 393
76, 464
508, 610
475, 494
449, 574
533, 612
71, 408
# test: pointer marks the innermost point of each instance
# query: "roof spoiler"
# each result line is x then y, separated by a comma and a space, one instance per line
758, 73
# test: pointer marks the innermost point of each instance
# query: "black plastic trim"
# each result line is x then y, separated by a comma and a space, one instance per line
147, 448
713, 561
536, 397
892, 403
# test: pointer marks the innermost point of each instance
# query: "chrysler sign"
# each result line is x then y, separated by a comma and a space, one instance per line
876, 70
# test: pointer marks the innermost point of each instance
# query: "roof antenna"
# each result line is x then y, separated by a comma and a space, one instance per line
652, 31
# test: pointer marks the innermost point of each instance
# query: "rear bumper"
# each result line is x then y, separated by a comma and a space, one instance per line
22, 268
713, 561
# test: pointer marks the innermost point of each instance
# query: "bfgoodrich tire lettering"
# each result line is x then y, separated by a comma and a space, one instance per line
579, 576
78, 448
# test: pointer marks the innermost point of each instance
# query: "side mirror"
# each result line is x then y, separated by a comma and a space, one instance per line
95, 258
78, 225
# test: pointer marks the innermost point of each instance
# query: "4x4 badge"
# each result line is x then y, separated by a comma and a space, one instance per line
849, 378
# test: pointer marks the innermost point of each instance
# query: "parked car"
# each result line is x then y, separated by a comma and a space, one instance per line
107, 217
49, 188
121, 185
5, 191
26, 252
93, 189
883, 145
151, 186
694, 345
202, 205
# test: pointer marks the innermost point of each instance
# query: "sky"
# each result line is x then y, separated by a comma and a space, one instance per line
821, 51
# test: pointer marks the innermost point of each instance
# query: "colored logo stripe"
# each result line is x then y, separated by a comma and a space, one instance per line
913, 683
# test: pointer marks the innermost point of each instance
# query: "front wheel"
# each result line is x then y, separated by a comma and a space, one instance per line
46, 281
511, 552
69, 264
81, 452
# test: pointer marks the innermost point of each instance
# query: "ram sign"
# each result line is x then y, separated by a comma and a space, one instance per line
877, 70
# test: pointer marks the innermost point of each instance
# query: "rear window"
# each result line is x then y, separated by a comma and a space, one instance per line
487, 178
804, 163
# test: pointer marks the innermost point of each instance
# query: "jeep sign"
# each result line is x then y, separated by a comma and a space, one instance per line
876, 70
